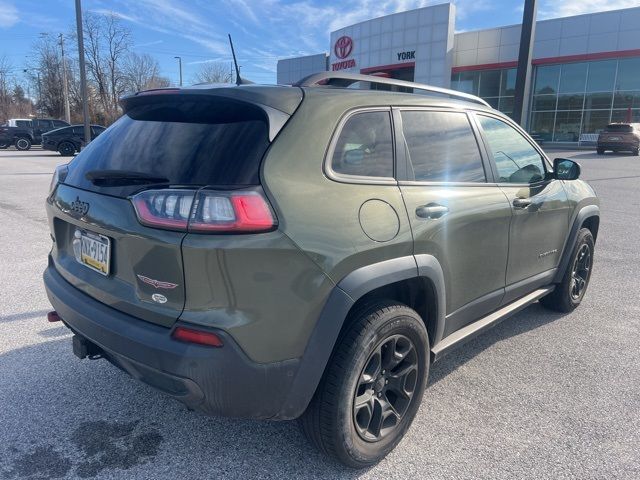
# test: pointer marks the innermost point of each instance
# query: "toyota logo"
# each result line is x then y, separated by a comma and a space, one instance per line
343, 47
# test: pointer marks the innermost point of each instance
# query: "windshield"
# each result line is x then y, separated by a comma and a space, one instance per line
186, 142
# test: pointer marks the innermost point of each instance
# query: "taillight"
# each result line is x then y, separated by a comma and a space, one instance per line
232, 211
167, 209
190, 335
205, 211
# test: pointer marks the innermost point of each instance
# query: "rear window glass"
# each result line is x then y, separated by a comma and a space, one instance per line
365, 146
616, 128
193, 142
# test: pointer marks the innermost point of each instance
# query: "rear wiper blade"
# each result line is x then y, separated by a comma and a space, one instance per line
115, 178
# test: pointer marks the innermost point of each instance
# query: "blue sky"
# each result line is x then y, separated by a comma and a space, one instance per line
263, 30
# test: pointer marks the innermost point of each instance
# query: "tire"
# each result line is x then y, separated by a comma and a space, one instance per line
600, 151
66, 149
4, 145
571, 290
23, 143
636, 151
333, 423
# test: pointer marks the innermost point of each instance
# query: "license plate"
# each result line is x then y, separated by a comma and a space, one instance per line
95, 251
614, 138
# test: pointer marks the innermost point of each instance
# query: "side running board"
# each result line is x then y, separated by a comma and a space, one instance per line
479, 326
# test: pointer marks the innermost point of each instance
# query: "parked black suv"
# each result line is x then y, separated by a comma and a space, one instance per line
68, 140
308, 251
23, 132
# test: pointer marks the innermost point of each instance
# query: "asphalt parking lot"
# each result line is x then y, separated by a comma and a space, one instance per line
542, 395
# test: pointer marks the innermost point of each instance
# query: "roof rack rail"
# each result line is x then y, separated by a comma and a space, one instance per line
346, 79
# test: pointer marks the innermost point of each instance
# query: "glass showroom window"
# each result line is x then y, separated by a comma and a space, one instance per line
583, 97
497, 87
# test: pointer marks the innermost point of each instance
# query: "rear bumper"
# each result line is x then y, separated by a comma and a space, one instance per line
215, 381
618, 145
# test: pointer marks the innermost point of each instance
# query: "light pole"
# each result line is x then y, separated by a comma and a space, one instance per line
523, 74
65, 83
83, 74
27, 70
180, 68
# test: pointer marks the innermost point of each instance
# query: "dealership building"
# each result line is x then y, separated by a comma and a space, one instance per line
585, 68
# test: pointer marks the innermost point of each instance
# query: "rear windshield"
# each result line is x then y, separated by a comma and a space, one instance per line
617, 128
195, 142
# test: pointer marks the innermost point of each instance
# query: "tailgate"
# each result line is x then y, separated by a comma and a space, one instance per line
144, 263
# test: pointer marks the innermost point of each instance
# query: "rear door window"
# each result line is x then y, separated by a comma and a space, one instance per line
441, 147
189, 142
365, 146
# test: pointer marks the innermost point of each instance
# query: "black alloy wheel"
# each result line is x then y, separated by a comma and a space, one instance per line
385, 388
581, 271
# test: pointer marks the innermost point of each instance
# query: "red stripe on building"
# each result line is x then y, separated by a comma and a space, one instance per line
551, 60
587, 56
386, 68
486, 66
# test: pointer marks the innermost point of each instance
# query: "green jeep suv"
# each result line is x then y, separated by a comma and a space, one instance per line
307, 251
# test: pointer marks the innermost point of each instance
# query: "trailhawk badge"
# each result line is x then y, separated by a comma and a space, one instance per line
157, 283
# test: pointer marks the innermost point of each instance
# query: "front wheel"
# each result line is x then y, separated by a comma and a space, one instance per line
23, 143
570, 291
372, 388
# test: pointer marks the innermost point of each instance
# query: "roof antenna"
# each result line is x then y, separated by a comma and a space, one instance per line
235, 62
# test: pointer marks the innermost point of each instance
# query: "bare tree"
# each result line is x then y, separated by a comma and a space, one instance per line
142, 72
107, 44
213, 72
45, 75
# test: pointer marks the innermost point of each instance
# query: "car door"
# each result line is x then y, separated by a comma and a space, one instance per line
77, 135
456, 213
539, 204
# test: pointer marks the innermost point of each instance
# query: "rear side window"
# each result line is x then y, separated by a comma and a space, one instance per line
188, 142
78, 130
23, 123
441, 147
365, 146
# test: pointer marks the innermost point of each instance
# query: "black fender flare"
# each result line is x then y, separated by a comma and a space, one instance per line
579, 218
343, 296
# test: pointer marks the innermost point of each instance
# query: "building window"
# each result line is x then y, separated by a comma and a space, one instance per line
583, 97
497, 87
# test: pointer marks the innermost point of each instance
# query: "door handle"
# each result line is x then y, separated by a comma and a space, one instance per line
432, 210
521, 202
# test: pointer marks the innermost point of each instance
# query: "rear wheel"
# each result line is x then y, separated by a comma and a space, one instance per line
570, 291
4, 145
23, 143
372, 388
636, 151
600, 151
66, 149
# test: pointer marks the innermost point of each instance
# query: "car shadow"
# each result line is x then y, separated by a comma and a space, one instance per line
24, 316
534, 316
16, 154
99, 421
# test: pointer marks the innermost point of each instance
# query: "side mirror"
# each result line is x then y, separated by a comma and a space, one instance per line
565, 169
